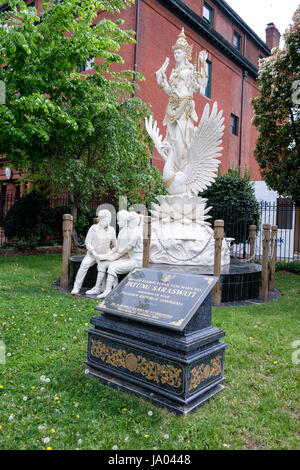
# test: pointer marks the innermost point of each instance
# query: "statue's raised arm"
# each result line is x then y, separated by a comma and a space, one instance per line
161, 76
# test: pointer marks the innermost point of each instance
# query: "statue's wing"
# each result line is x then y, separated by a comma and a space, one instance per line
202, 162
153, 131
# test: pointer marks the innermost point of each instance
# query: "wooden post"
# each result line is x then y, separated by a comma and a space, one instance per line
66, 252
146, 241
219, 235
252, 235
273, 259
265, 261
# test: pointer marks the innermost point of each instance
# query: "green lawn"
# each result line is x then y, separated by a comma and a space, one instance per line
44, 333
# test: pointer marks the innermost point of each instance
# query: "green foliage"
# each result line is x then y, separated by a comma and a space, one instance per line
79, 133
31, 221
22, 244
277, 116
28, 218
233, 200
289, 266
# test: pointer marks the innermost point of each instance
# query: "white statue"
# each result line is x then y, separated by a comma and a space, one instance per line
129, 252
102, 260
181, 233
190, 153
99, 240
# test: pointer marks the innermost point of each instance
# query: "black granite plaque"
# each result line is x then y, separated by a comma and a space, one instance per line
162, 298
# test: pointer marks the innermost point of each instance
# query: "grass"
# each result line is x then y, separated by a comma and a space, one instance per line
44, 333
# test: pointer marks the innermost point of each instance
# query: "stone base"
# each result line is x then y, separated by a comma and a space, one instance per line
152, 397
179, 371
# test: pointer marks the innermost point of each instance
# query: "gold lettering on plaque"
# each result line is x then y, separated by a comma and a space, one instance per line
177, 323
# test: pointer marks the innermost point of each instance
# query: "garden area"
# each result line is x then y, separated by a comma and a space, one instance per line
49, 402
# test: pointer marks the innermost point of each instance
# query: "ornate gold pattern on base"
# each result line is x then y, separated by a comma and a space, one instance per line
150, 370
204, 372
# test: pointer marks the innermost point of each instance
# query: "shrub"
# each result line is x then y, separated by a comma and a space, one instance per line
290, 266
28, 218
32, 222
233, 200
22, 245
56, 221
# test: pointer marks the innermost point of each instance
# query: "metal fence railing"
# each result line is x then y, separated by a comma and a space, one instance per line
283, 213
237, 217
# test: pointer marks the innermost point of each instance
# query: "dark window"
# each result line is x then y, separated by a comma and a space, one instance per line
207, 91
234, 124
208, 13
237, 41
284, 214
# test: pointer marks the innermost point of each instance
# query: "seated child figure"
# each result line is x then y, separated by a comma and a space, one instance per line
98, 241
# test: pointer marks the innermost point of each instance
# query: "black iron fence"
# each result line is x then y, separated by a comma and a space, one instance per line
237, 217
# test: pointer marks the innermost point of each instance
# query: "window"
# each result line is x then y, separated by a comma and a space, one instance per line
206, 91
234, 124
237, 41
208, 13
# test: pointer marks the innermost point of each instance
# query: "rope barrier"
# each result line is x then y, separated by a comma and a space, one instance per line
239, 259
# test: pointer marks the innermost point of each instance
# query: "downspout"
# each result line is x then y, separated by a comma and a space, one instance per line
242, 116
137, 24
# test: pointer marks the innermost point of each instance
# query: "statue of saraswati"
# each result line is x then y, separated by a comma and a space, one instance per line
181, 233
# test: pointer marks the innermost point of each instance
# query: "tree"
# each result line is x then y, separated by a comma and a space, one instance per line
277, 115
65, 130
232, 198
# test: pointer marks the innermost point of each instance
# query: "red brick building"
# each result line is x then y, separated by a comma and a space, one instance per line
233, 54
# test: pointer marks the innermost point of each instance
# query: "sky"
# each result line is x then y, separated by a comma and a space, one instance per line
258, 13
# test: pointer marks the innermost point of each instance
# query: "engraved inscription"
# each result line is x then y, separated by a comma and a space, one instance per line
159, 297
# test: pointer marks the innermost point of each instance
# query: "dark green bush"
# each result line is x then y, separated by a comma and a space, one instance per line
233, 200
31, 221
28, 218
56, 221
21, 245
85, 220
290, 266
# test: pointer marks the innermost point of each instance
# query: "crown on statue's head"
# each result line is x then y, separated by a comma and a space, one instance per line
182, 43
